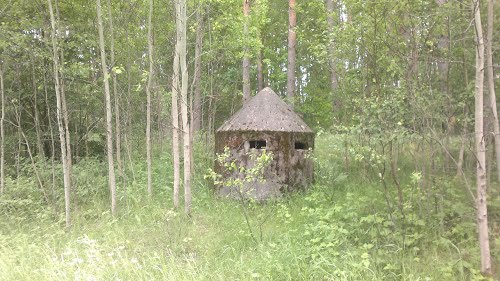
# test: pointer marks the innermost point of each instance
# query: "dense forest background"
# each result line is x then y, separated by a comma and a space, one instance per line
390, 88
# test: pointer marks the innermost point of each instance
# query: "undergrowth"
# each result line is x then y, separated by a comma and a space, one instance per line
345, 227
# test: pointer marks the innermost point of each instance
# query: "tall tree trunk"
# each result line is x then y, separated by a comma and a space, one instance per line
19, 137
118, 143
64, 106
461, 152
127, 115
52, 141
491, 84
196, 118
2, 134
195, 98
292, 41
109, 125
175, 111
148, 94
330, 9
59, 114
260, 72
184, 108
246, 55
481, 206
36, 116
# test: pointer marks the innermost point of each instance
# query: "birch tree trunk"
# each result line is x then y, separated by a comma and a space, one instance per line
2, 134
65, 111
184, 108
481, 206
109, 125
246, 57
491, 84
118, 144
175, 111
148, 94
59, 114
196, 123
292, 41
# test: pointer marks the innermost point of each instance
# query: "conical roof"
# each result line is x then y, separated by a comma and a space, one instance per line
265, 112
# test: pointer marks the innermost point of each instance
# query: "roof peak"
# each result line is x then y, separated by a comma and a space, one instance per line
266, 111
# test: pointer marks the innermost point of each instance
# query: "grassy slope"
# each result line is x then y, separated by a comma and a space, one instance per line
339, 230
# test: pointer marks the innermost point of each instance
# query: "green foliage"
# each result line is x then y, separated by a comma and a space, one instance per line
340, 229
237, 176
242, 175
386, 205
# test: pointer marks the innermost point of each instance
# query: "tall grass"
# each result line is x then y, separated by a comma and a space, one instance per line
340, 229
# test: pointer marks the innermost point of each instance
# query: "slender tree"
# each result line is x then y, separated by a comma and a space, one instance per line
246, 55
36, 115
292, 42
184, 106
2, 134
491, 83
175, 111
465, 122
59, 114
196, 117
195, 96
65, 112
260, 72
109, 125
148, 94
330, 9
116, 96
481, 182
52, 140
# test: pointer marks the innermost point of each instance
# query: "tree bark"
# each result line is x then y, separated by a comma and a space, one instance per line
148, 94
292, 41
36, 114
330, 9
52, 141
109, 125
127, 115
197, 72
491, 84
65, 111
2, 133
118, 144
59, 114
461, 152
246, 55
19, 136
184, 107
481, 206
175, 111
260, 72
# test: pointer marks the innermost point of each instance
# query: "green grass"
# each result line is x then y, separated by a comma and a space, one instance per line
340, 229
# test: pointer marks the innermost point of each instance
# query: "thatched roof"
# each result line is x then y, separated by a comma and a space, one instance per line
265, 112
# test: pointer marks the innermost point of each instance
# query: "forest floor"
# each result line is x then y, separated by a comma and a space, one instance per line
345, 227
